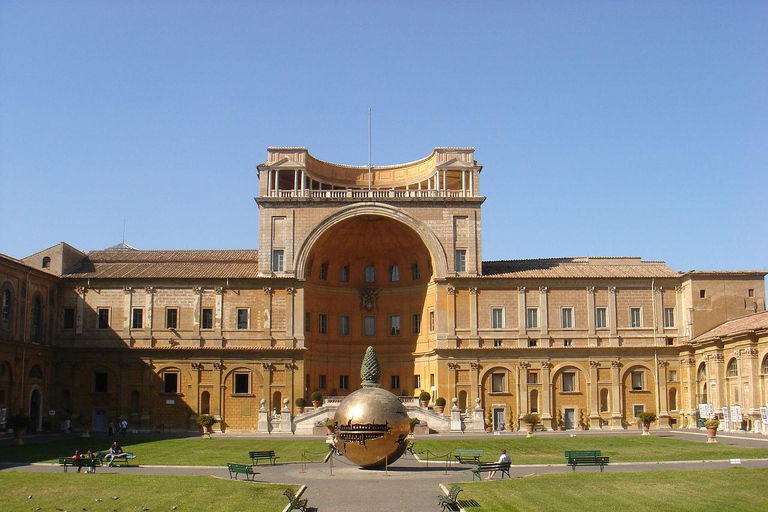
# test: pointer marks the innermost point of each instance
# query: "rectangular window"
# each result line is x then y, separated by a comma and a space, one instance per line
669, 317
751, 293
670, 342
344, 325
343, 382
569, 382
497, 383
431, 321
532, 318
601, 318
566, 318
242, 383
394, 325
672, 376
431, 380
635, 319
103, 318
461, 260
100, 382
498, 343
323, 272
370, 274
277, 260
170, 382
394, 273
307, 321
533, 343
497, 318
702, 294
567, 343
416, 273
137, 318
416, 323
321, 382
533, 377
171, 318
369, 325
637, 409
207, 320
637, 381
242, 318
417, 381
322, 323
344, 274
69, 318
394, 382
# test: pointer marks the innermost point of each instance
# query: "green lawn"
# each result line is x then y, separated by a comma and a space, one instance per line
549, 449
79, 491
194, 451
733, 489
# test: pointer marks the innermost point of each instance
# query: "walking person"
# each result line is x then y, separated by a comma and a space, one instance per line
123, 428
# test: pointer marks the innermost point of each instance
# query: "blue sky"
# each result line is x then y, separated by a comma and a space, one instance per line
604, 128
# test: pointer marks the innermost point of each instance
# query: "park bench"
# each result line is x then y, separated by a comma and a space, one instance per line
263, 455
124, 457
450, 501
468, 456
586, 458
90, 463
243, 469
539, 428
487, 467
296, 503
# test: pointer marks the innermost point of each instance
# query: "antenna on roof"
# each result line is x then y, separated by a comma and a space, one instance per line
369, 149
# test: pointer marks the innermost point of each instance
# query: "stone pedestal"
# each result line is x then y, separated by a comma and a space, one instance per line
286, 423
456, 424
478, 420
263, 424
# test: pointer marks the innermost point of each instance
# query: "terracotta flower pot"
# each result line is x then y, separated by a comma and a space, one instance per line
315, 403
646, 429
439, 409
711, 434
300, 410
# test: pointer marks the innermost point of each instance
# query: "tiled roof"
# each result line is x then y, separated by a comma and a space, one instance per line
744, 324
168, 265
586, 268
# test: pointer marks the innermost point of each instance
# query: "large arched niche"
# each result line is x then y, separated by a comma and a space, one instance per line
339, 222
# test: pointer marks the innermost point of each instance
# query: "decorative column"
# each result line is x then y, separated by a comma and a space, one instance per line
290, 292
298, 315
451, 313
453, 369
198, 291
194, 395
617, 422
268, 313
522, 321
661, 393
544, 316
593, 399
148, 377
473, 313
123, 403
218, 316
149, 306
717, 361
128, 291
524, 391
658, 316
474, 380
216, 398
289, 388
680, 319
613, 337
80, 291
266, 369
547, 387
751, 388
591, 332
688, 366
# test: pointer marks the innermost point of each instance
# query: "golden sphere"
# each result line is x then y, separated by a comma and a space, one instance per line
371, 427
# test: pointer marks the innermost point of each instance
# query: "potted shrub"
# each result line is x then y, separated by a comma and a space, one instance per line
439, 405
489, 421
582, 423
560, 423
413, 422
646, 418
424, 398
206, 421
530, 420
19, 423
317, 398
712, 424
330, 425
300, 404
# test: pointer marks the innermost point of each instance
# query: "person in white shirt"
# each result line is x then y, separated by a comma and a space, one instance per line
504, 458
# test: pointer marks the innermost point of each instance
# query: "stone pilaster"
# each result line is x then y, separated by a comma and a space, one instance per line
593, 400
617, 422
547, 388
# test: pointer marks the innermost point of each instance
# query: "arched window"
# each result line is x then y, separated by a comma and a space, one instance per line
764, 370
604, 400
205, 402
35, 372
46, 262
462, 400
7, 302
733, 368
277, 398
534, 401
135, 402
673, 399
37, 320
702, 373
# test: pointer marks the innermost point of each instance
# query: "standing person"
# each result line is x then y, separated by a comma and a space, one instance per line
68, 426
503, 459
123, 428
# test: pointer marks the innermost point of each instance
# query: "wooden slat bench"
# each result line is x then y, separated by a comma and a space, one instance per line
468, 456
263, 455
487, 467
586, 458
296, 503
124, 457
240, 469
89, 463
450, 501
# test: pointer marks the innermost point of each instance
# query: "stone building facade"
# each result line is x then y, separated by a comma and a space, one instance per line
386, 256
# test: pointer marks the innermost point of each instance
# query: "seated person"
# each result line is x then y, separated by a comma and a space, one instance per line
114, 451
76, 458
504, 458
